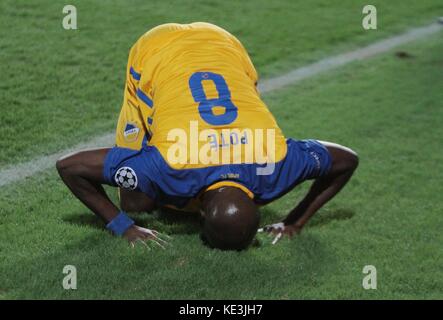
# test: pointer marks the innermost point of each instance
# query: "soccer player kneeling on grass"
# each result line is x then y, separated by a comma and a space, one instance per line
193, 134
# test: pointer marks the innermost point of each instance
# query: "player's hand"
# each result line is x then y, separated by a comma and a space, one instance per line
279, 230
136, 234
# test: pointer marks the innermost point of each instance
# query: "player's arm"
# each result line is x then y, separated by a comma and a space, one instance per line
82, 172
324, 188
344, 163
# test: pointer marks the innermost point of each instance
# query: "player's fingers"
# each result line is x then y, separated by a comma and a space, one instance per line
157, 243
266, 229
162, 241
271, 233
144, 243
163, 235
147, 232
272, 228
144, 235
277, 237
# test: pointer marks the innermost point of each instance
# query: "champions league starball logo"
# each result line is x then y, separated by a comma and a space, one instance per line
126, 178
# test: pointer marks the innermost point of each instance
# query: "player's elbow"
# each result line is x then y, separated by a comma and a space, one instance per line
352, 160
66, 166
62, 167
348, 161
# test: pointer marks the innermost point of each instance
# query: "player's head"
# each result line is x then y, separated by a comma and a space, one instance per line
230, 219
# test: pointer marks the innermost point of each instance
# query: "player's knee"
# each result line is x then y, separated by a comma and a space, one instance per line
231, 219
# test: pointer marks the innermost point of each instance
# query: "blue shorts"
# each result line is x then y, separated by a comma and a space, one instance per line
317, 160
145, 170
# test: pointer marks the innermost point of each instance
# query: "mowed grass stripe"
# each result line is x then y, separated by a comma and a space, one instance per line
29, 168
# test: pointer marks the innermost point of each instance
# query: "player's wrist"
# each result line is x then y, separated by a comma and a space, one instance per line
296, 225
120, 224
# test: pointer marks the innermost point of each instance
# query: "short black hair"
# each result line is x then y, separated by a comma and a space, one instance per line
230, 219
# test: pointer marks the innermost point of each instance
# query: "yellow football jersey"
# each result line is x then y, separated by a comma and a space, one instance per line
191, 89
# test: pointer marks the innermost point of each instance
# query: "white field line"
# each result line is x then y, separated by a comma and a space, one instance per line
336, 61
26, 169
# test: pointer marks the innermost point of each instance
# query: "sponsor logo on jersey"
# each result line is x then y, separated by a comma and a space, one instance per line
131, 132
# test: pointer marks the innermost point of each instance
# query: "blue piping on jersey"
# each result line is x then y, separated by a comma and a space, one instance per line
144, 98
135, 74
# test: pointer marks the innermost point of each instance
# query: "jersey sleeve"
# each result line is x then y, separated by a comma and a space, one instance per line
131, 126
138, 90
141, 69
132, 79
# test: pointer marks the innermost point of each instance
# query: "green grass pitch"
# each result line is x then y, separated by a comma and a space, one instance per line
61, 87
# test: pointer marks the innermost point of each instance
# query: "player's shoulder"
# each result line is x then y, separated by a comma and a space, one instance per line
156, 36
212, 28
206, 25
162, 30
166, 31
